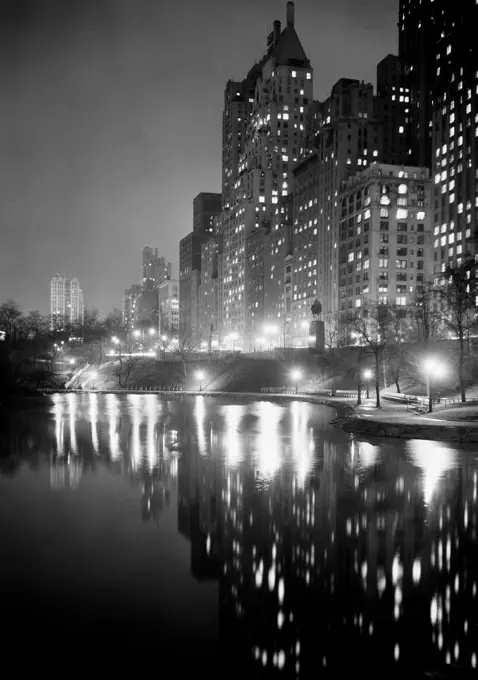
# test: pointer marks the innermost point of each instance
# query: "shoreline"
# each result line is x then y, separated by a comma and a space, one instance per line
347, 417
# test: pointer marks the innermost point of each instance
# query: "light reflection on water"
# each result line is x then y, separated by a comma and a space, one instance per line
318, 542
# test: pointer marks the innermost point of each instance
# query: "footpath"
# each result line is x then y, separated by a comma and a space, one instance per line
394, 420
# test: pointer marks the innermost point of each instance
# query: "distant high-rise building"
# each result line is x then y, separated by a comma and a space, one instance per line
206, 210
66, 301
206, 207
155, 269
169, 307
130, 306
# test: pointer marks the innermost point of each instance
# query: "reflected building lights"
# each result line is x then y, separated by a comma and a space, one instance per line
435, 460
93, 414
267, 451
151, 441
58, 410
72, 402
113, 411
200, 413
135, 413
232, 440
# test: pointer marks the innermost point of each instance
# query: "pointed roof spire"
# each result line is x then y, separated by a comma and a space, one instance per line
288, 49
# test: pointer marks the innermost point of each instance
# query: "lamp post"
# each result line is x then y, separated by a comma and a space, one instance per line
93, 376
296, 375
200, 376
367, 374
234, 336
432, 367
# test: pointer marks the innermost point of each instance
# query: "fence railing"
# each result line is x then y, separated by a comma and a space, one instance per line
352, 394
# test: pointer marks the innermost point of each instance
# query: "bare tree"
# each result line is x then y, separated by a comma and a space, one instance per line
335, 332
371, 327
182, 348
457, 311
425, 321
125, 364
398, 331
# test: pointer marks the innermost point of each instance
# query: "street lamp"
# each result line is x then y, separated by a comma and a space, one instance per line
94, 375
233, 336
136, 333
432, 367
115, 340
296, 375
200, 376
72, 362
152, 331
367, 374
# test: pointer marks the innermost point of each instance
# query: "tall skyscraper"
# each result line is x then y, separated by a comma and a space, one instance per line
206, 210
206, 207
345, 136
154, 269
393, 109
130, 306
274, 97
66, 301
455, 137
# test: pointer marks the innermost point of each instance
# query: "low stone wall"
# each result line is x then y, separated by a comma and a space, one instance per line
374, 428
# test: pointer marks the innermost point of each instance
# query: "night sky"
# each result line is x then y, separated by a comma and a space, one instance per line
110, 122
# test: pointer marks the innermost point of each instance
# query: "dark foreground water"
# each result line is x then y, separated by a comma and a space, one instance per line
202, 538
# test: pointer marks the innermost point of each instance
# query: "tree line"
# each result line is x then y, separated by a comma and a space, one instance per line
395, 340
30, 344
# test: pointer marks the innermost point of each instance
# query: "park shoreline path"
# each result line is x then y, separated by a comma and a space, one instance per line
362, 421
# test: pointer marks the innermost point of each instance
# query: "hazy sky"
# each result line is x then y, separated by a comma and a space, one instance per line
110, 122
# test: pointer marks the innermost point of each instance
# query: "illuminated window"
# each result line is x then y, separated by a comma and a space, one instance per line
402, 214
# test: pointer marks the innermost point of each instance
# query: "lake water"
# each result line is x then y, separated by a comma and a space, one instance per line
214, 538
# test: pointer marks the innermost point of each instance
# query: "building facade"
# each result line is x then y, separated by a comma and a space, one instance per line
169, 307
455, 139
345, 136
66, 301
385, 238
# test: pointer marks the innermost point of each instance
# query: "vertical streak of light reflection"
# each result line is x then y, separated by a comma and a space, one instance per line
59, 425
113, 417
200, 412
151, 432
232, 437
135, 412
302, 444
268, 441
94, 421
72, 401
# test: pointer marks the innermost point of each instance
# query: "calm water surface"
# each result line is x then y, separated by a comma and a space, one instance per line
211, 538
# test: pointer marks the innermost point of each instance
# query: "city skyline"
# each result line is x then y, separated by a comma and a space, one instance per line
91, 183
